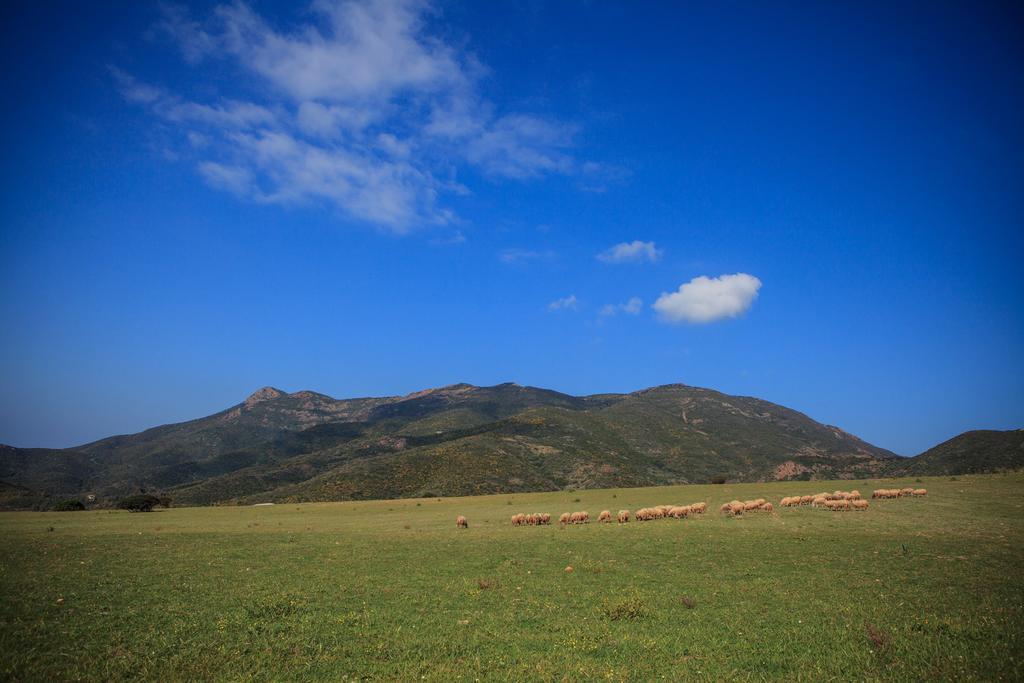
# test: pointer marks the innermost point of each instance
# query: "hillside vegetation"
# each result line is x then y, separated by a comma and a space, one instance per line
456, 440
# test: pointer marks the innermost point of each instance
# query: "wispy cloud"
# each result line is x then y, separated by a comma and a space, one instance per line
631, 307
515, 255
358, 104
704, 299
630, 252
568, 303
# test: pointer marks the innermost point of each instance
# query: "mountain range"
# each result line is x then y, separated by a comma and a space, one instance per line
464, 440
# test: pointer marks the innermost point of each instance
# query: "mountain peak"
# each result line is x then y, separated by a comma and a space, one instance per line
264, 394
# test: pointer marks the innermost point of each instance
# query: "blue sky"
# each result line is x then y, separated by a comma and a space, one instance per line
818, 204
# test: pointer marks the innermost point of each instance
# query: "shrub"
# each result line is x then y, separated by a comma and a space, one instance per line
718, 480
69, 505
139, 503
165, 501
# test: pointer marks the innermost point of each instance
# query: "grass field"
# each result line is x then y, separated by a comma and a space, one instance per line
911, 589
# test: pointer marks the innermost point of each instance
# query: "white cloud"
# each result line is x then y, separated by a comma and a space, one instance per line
357, 103
631, 307
230, 178
630, 252
564, 304
704, 299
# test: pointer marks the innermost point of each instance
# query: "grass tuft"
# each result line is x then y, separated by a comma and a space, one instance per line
630, 608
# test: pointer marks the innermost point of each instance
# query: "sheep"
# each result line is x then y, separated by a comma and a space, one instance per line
806, 500
786, 501
518, 519
750, 505
545, 518
679, 512
819, 501
768, 507
855, 495
859, 504
564, 518
920, 492
908, 491
736, 508
623, 516
725, 508
699, 508
580, 518
605, 516
461, 522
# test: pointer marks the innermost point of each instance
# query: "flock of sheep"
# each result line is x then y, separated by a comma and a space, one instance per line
662, 511
736, 508
606, 517
899, 493
532, 519
837, 501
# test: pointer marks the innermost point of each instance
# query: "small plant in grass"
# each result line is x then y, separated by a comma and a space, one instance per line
627, 608
575, 500
688, 602
70, 505
487, 584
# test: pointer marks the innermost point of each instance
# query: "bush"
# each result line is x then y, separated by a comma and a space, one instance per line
140, 503
69, 505
718, 480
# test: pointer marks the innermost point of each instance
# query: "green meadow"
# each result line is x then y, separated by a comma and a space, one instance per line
911, 589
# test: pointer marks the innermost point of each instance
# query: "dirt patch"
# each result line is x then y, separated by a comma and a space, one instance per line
789, 469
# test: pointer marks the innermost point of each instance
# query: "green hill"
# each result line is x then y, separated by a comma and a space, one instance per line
972, 452
458, 440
